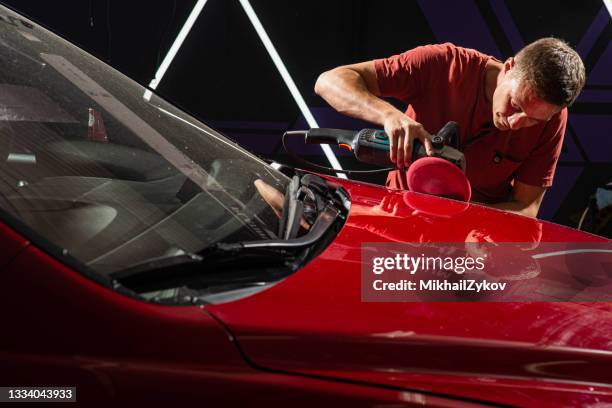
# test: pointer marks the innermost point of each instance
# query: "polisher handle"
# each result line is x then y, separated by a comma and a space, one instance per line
338, 137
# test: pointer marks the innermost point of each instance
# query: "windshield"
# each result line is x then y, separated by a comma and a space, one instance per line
99, 167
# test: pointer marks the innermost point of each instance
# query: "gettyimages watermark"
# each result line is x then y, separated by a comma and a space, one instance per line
495, 272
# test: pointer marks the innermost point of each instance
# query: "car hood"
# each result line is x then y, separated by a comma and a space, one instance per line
315, 323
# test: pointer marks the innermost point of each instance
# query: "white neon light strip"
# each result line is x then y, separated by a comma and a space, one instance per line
571, 251
608, 4
297, 96
176, 45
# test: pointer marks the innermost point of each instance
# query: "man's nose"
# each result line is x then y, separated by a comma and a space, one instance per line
516, 120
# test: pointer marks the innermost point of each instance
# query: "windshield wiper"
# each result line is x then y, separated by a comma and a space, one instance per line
248, 261
293, 209
225, 250
243, 262
305, 198
324, 221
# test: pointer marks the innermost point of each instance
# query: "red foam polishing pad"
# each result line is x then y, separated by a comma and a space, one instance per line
439, 177
439, 208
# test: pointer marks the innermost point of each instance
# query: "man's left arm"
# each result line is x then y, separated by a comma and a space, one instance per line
536, 173
526, 200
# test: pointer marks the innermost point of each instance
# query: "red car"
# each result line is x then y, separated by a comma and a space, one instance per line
143, 260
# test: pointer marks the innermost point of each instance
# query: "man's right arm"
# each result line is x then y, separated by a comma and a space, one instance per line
353, 90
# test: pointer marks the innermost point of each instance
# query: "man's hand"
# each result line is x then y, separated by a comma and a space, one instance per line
402, 132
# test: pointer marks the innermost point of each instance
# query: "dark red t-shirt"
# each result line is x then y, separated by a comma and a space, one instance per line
443, 82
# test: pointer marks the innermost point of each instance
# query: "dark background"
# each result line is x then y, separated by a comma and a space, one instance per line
224, 76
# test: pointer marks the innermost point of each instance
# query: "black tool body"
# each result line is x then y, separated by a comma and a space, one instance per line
372, 145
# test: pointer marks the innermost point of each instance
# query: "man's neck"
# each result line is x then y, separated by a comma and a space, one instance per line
492, 70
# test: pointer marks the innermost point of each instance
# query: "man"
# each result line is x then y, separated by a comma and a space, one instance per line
512, 114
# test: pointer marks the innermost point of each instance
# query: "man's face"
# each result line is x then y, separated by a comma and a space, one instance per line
515, 104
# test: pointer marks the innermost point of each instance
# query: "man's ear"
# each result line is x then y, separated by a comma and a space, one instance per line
508, 65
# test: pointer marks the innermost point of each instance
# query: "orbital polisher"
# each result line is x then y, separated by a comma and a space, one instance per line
441, 174
372, 145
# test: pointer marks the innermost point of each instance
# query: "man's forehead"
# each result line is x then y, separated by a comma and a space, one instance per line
533, 106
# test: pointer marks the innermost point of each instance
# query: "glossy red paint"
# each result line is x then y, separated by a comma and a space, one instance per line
67, 328
60, 329
315, 323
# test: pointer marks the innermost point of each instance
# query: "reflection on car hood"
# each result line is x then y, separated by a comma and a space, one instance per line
315, 323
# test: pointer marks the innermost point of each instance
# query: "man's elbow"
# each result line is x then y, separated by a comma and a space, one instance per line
530, 211
322, 84
518, 207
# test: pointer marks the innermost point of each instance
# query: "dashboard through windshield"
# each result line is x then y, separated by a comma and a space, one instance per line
96, 165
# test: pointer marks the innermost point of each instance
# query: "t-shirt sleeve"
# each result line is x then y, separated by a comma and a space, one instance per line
539, 168
405, 76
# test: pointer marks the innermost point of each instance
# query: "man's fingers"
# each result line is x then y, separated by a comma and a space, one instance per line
408, 146
425, 139
393, 145
428, 146
400, 152
402, 134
